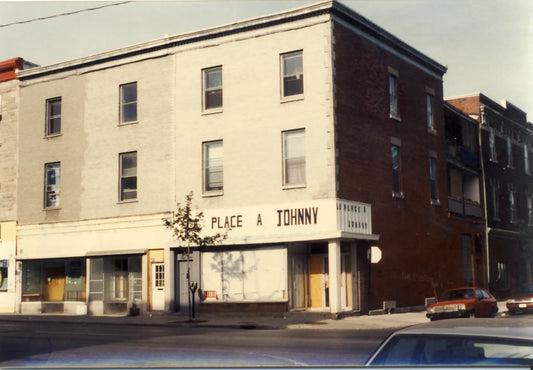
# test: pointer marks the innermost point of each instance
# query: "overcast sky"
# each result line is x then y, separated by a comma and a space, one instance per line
487, 45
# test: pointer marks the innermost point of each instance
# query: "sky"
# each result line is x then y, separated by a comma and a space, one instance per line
487, 45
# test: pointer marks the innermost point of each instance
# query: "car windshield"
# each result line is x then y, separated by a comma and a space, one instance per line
457, 294
405, 349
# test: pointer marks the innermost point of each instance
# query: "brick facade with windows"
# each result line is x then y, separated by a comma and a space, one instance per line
507, 144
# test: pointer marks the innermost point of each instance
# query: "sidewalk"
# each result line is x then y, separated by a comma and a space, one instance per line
282, 320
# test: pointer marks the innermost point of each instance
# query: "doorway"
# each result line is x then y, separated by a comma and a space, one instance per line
158, 286
318, 282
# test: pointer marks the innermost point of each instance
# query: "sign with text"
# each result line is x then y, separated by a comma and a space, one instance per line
273, 219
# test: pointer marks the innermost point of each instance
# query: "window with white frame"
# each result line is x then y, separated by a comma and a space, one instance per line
52, 186
53, 116
212, 88
501, 274
213, 164
433, 179
294, 157
128, 176
292, 74
128, 102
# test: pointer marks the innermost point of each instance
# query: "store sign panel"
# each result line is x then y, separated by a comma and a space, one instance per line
314, 216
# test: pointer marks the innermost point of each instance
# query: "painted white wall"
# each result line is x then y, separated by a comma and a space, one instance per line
254, 116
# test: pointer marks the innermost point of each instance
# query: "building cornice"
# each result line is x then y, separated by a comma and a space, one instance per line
167, 45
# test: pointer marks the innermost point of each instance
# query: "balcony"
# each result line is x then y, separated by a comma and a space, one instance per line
354, 217
464, 207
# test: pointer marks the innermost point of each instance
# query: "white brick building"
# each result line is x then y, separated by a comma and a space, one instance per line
243, 115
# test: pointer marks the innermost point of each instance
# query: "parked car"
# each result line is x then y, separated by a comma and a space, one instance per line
463, 302
521, 300
495, 342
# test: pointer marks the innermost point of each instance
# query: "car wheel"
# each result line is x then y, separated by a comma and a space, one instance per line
493, 311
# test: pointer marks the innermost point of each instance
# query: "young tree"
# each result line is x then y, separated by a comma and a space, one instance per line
186, 227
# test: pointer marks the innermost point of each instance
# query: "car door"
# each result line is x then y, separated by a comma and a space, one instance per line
484, 304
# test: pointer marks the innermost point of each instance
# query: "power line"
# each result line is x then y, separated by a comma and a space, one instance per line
63, 14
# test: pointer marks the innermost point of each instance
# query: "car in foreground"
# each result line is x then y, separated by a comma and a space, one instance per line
521, 300
494, 342
463, 302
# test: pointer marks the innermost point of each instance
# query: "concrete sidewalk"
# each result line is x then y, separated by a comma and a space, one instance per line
285, 320
282, 320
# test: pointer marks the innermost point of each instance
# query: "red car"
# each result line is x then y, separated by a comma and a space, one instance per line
521, 300
463, 302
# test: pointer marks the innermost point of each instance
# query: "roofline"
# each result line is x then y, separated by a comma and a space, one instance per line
329, 7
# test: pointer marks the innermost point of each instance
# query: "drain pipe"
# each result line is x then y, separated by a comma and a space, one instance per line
484, 183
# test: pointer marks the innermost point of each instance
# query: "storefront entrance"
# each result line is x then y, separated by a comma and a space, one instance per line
310, 277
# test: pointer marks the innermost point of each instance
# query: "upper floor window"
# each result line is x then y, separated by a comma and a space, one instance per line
396, 168
52, 186
430, 119
393, 94
128, 176
510, 161
213, 166
53, 116
433, 179
292, 74
212, 88
294, 157
527, 165
512, 203
128, 102
492, 145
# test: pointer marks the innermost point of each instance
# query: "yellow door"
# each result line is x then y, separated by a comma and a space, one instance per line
315, 281
55, 284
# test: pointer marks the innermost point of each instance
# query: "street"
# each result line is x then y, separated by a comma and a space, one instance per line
65, 344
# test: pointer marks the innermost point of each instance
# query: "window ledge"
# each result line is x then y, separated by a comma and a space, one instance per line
51, 136
435, 202
291, 98
398, 195
213, 194
395, 117
295, 186
46, 209
207, 112
432, 131
127, 123
128, 201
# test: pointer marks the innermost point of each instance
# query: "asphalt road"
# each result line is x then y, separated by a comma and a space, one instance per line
56, 344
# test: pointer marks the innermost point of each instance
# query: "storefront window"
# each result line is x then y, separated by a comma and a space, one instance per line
53, 280
116, 278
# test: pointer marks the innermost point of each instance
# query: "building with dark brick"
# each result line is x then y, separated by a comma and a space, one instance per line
507, 151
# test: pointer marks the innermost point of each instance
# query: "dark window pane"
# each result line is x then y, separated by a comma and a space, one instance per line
293, 85
129, 112
213, 99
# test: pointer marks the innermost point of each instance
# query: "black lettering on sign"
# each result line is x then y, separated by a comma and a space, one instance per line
297, 216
